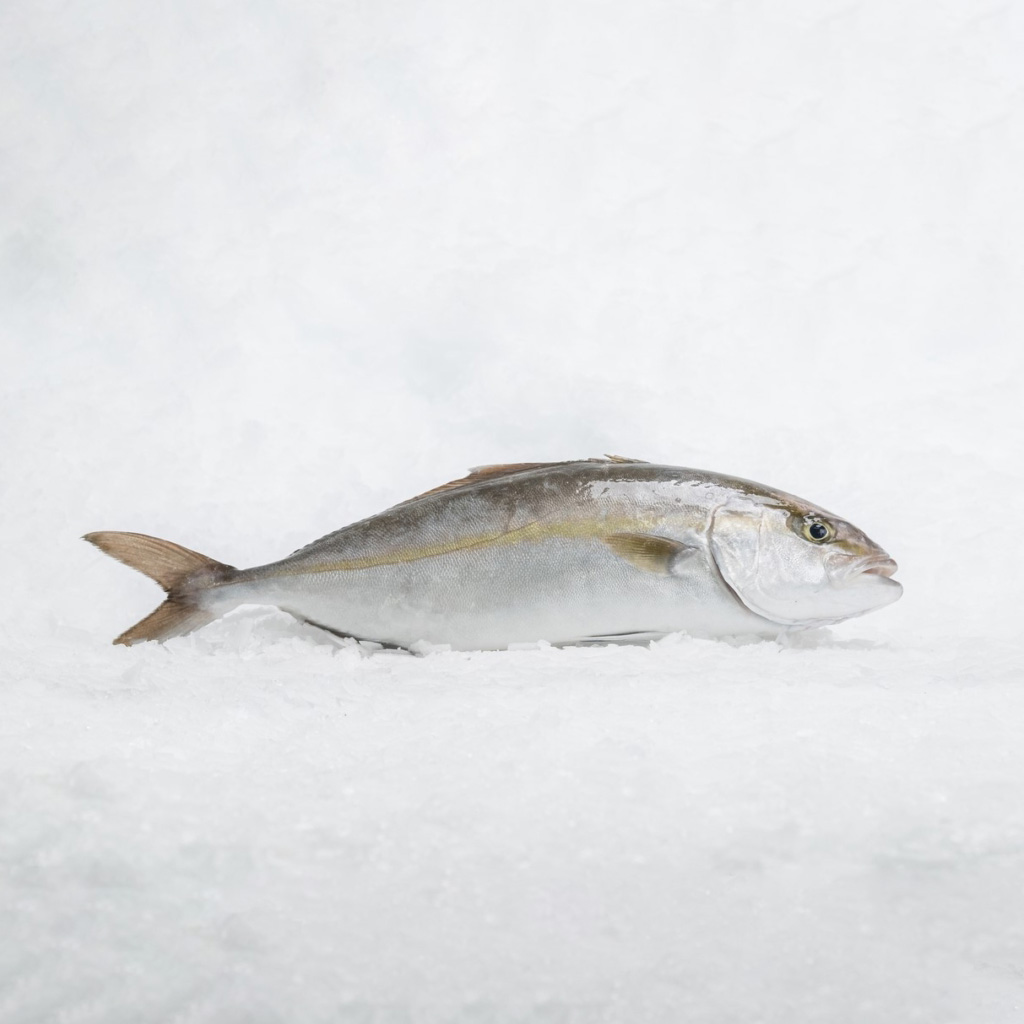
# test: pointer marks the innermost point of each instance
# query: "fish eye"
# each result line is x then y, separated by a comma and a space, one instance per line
818, 532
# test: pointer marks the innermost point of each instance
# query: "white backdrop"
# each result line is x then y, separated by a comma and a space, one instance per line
268, 268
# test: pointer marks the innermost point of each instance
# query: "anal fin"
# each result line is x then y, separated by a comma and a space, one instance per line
386, 644
632, 639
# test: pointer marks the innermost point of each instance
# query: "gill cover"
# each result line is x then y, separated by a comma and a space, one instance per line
757, 569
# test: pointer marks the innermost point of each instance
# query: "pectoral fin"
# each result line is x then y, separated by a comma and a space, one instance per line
648, 552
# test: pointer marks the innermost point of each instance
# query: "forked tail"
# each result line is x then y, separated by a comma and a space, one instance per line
185, 575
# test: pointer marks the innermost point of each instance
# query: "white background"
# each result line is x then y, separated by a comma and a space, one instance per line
267, 268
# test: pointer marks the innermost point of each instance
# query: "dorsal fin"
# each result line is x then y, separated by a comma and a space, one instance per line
479, 473
501, 469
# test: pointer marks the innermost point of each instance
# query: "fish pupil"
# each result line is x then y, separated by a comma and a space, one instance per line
817, 531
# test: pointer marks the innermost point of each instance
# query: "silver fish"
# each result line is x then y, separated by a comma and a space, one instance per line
607, 549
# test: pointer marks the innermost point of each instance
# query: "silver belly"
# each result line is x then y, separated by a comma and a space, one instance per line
558, 590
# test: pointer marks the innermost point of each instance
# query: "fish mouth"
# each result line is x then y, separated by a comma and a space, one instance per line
881, 565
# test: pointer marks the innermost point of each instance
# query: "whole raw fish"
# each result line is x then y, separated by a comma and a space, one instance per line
569, 552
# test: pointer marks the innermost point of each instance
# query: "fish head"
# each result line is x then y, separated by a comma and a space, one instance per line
798, 565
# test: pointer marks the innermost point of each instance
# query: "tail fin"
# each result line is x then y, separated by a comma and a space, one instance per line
183, 574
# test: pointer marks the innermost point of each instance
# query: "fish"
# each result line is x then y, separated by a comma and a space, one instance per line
613, 550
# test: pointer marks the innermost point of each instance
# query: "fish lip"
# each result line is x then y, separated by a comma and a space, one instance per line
874, 565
